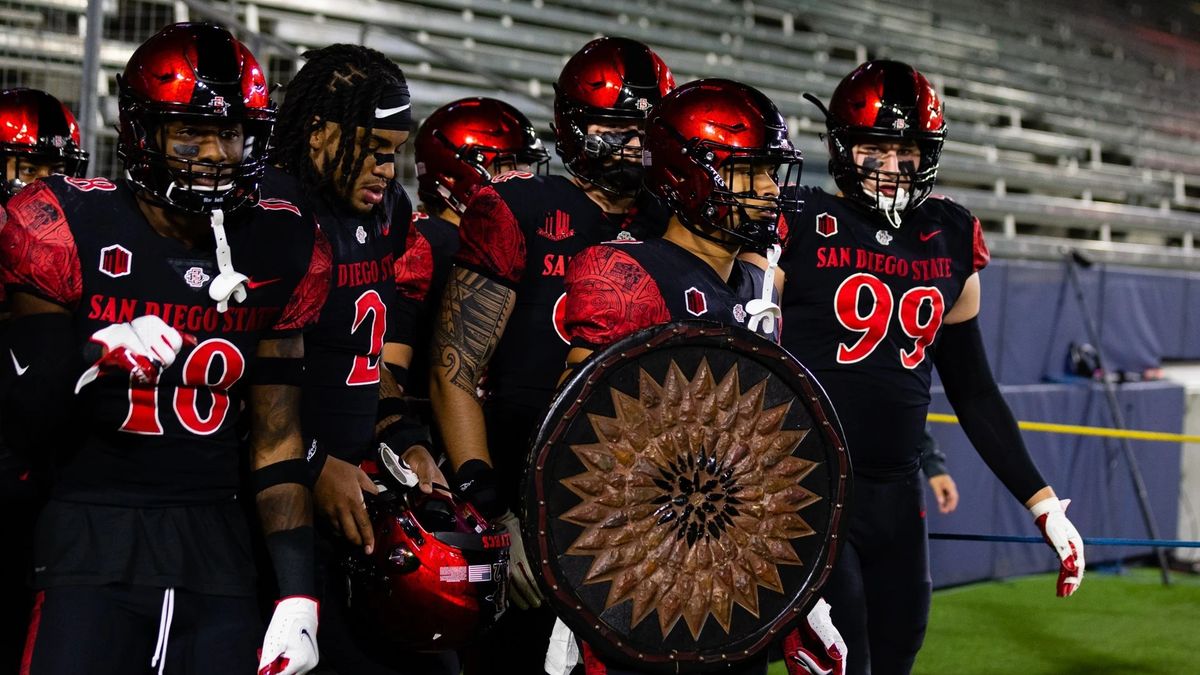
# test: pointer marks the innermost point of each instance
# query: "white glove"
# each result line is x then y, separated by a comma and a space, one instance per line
141, 348
522, 585
1051, 518
290, 645
816, 647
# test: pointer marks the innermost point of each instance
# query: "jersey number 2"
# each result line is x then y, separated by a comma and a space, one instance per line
874, 323
198, 373
366, 368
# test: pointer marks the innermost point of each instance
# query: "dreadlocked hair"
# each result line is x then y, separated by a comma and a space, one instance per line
341, 83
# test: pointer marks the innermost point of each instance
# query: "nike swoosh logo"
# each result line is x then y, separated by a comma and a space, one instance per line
251, 283
381, 113
19, 368
926, 236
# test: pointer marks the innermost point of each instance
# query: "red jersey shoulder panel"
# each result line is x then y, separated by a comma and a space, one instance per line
37, 248
610, 295
979, 248
308, 298
490, 238
414, 269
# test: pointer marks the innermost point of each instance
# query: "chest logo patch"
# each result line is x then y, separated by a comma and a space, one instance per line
739, 313
625, 235
360, 235
883, 237
195, 277
926, 236
826, 225
557, 226
694, 301
116, 261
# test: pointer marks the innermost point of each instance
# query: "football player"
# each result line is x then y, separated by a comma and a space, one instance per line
501, 309
141, 557
716, 151
882, 284
345, 116
459, 148
38, 137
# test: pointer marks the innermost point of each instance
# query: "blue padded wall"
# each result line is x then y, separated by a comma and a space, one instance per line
1091, 471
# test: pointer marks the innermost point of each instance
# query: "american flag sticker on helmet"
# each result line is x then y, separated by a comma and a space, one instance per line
472, 573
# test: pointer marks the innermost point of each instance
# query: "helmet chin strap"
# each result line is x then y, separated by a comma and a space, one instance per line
763, 310
229, 283
891, 208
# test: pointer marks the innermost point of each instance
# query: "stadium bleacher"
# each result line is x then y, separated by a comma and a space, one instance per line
1067, 127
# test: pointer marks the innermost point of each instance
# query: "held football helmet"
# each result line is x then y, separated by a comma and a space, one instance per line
36, 129
885, 102
193, 71
612, 82
701, 136
461, 143
436, 580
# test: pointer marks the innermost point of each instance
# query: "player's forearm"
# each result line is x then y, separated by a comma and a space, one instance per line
281, 481
983, 412
397, 424
473, 314
275, 424
460, 420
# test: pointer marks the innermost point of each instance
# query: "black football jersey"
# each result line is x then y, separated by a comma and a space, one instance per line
862, 309
421, 277
618, 288
342, 351
522, 231
85, 245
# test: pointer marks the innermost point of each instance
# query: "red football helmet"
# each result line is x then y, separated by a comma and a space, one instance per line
193, 70
36, 130
462, 143
698, 138
436, 580
611, 82
885, 101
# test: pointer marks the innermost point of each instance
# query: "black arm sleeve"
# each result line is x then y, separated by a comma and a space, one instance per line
982, 411
933, 460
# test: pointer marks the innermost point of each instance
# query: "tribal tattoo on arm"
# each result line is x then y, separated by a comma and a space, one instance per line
474, 312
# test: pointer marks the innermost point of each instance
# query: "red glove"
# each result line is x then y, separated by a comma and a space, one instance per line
1051, 518
816, 647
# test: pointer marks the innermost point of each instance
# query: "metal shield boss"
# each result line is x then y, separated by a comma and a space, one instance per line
683, 497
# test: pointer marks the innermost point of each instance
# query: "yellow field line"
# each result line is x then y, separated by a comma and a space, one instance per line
1081, 430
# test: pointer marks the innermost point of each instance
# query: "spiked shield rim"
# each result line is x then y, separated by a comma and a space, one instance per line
569, 402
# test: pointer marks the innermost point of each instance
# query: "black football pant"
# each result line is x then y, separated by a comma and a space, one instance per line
121, 630
880, 588
20, 502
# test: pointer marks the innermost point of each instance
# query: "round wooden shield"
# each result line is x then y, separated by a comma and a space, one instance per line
684, 495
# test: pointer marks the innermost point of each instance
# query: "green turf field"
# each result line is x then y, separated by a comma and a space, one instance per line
1116, 624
